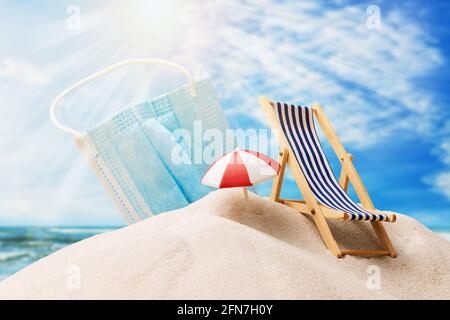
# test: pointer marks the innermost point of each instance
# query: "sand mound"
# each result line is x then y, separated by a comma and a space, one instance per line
219, 248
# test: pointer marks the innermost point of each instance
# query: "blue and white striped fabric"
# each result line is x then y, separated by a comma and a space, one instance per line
298, 126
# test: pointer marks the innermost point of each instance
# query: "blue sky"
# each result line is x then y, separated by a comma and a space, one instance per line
385, 90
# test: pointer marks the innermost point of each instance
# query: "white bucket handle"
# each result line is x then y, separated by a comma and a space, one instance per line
58, 124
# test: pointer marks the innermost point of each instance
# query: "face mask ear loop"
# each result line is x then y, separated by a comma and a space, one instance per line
76, 133
81, 141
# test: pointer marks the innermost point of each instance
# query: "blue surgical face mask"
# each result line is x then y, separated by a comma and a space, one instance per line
132, 152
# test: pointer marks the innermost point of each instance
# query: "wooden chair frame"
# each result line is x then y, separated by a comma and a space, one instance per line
310, 205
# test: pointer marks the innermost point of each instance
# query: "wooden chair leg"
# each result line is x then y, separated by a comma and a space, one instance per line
383, 238
318, 216
377, 226
278, 180
325, 233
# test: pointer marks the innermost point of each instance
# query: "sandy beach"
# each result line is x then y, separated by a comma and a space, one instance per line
221, 248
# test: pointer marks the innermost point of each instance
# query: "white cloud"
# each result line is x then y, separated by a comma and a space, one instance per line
12, 69
442, 183
304, 52
444, 151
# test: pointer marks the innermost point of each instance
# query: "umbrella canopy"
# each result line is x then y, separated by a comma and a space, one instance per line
240, 168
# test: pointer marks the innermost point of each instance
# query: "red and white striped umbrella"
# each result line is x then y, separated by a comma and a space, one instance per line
240, 168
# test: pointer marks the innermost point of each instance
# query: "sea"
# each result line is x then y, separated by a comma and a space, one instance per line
21, 246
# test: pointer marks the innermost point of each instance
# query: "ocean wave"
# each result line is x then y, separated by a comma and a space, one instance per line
21, 246
38, 243
9, 256
16, 238
445, 235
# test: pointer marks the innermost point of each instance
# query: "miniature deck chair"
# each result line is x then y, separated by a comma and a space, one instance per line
324, 197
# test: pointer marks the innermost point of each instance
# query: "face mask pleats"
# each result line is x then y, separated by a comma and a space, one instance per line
137, 146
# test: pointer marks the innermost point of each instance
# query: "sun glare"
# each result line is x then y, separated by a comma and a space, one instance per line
157, 21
